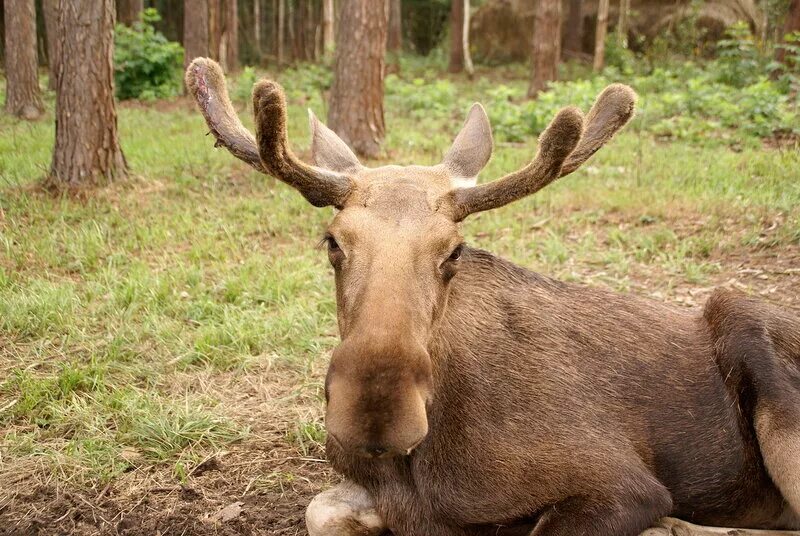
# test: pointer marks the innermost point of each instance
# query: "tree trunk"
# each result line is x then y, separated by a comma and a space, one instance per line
23, 96
356, 102
87, 149
257, 27
50, 9
546, 51
231, 35
600, 36
394, 40
327, 26
456, 64
622, 23
574, 39
465, 40
129, 11
215, 29
195, 30
281, 32
792, 24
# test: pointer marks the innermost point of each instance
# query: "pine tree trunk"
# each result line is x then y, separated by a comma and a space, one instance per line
231, 33
574, 27
215, 29
622, 23
546, 51
23, 96
129, 11
465, 40
356, 102
50, 9
792, 24
456, 64
600, 36
394, 41
195, 30
327, 26
257, 27
281, 45
87, 149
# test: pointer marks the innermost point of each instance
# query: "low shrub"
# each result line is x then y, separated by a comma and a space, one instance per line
146, 65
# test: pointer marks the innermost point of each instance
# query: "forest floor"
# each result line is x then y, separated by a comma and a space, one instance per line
164, 340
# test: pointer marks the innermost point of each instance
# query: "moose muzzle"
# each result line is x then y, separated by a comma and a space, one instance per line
377, 397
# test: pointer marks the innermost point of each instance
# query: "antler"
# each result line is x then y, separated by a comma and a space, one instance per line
555, 145
563, 147
611, 111
269, 151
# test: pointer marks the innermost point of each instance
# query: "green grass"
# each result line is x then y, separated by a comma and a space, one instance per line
120, 311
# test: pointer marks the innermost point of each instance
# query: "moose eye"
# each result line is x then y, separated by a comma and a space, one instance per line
456, 254
333, 245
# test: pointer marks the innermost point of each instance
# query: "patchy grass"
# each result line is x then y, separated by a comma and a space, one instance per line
182, 318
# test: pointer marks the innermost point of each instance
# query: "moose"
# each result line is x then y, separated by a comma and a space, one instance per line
472, 397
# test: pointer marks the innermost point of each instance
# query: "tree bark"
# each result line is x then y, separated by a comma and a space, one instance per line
356, 102
456, 64
792, 24
546, 51
394, 39
465, 40
231, 35
23, 96
622, 22
195, 30
573, 40
50, 9
600, 36
257, 27
87, 149
129, 11
327, 26
215, 29
281, 45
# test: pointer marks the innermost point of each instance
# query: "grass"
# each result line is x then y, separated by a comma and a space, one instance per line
130, 318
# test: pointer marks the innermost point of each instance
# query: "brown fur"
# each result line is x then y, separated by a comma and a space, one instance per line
470, 395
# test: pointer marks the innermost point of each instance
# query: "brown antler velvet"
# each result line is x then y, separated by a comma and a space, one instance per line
269, 151
563, 147
555, 145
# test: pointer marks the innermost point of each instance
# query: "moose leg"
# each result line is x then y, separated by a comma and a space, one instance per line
617, 514
675, 527
346, 510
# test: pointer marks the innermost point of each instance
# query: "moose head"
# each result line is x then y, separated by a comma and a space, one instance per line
394, 242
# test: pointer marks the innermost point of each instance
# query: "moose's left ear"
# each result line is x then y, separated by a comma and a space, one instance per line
328, 150
471, 149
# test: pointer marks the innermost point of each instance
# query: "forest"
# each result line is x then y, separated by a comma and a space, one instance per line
167, 313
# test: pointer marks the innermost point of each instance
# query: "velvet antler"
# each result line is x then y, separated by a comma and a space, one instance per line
563, 147
269, 151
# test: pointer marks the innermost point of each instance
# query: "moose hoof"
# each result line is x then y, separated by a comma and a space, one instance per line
346, 510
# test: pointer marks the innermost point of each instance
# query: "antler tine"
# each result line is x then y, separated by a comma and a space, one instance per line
611, 111
555, 145
269, 151
206, 82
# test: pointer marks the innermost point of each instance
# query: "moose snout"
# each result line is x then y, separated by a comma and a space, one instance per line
377, 400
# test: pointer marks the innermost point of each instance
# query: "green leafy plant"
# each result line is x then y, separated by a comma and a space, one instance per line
739, 62
788, 72
146, 65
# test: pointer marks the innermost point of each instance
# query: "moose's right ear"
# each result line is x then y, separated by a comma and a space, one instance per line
328, 150
471, 149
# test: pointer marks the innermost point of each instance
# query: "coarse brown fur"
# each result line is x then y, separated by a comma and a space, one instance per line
470, 396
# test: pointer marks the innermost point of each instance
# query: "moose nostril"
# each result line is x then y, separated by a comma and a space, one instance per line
377, 451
